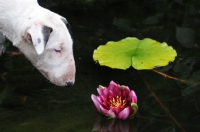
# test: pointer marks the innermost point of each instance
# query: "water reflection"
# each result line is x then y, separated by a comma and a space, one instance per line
114, 125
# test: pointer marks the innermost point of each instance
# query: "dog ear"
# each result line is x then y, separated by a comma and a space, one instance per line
67, 25
39, 35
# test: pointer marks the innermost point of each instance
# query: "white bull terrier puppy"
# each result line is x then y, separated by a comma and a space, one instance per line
43, 36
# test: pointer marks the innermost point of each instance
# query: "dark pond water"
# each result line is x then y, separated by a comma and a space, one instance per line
29, 103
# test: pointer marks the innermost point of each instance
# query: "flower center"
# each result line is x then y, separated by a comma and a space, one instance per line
117, 102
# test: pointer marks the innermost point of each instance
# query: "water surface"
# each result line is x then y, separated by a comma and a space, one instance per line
31, 103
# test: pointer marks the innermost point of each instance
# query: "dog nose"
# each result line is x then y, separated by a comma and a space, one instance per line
69, 84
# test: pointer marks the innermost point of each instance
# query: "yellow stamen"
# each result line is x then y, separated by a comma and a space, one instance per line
117, 101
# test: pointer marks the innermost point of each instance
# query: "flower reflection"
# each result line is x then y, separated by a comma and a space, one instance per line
115, 125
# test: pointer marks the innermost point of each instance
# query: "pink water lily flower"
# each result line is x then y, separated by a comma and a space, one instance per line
116, 101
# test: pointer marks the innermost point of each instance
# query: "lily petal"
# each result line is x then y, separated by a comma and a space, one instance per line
110, 113
125, 113
100, 91
103, 98
117, 110
125, 88
106, 92
133, 97
99, 99
114, 88
111, 94
104, 102
96, 102
112, 85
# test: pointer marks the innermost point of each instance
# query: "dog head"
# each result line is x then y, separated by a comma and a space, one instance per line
48, 45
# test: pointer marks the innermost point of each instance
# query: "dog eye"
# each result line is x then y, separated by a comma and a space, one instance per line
57, 50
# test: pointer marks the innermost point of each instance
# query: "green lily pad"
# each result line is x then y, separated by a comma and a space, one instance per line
141, 54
